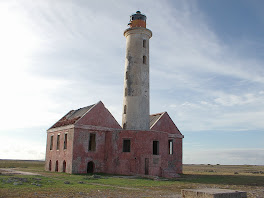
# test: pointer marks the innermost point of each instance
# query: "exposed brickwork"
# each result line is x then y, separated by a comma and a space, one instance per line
108, 156
64, 122
147, 145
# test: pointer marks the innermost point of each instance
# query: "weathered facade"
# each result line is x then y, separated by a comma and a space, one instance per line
136, 81
90, 140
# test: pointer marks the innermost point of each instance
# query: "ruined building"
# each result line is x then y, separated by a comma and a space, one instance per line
90, 140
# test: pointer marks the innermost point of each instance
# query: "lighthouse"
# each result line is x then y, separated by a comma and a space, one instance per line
136, 79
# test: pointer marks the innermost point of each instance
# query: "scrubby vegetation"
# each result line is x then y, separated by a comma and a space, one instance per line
50, 184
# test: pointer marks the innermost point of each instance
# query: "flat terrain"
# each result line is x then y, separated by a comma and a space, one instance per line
13, 183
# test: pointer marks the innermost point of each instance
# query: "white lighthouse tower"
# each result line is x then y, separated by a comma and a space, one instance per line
136, 82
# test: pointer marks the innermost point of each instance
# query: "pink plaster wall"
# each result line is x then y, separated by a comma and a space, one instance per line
61, 154
166, 124
99, 116
109, 156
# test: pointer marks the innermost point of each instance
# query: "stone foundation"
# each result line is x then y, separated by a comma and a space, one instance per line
212, 193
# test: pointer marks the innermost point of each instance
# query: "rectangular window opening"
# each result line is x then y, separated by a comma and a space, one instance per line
155, 147
58, 142
144, 60
125, 91
51, 142
65, 140
144, 43
126, 145
170, 147
92, 142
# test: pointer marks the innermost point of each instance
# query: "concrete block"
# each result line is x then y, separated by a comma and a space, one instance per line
212, 193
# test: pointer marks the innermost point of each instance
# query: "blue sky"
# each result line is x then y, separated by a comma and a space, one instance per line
206, 71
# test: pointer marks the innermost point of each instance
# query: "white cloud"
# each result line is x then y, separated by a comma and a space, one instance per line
231, 99
23, 148
228, 112
254, 156
57, 56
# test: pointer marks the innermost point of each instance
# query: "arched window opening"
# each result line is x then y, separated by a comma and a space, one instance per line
50, 165
144, 60
90, 167
57, 166
64, 166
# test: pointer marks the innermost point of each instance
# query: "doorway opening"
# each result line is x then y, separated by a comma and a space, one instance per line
146, 166
50, 165
90, 167
64, 166
56, 166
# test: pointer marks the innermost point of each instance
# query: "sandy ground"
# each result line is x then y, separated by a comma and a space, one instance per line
13, 171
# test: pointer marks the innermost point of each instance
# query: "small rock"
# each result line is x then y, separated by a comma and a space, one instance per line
156, 178
8, 181
17, 183
236, 173
96, 176
38, 185
66, 182
81, 182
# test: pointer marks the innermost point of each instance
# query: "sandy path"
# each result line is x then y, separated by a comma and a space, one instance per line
8, 171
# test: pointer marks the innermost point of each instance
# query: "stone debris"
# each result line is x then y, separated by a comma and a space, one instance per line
212, 193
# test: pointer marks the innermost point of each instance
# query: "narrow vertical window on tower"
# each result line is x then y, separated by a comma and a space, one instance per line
125, 107
58, 142
124, 126
144, 43
65, 140
144, 60
126, 75
51, 142
125, 91
170, 147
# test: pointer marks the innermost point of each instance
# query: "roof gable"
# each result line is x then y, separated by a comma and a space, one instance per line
99, 116
163, 122
72, 116
94, 115
154, 118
